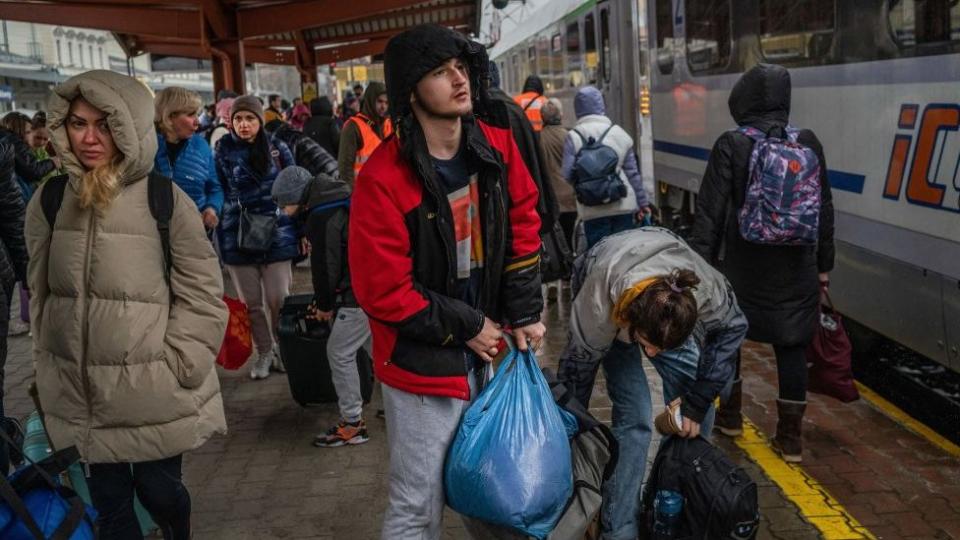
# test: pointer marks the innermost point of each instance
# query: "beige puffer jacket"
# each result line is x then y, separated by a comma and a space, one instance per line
123, 374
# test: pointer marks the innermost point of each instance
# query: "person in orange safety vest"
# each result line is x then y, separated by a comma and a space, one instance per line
364, 132
532, 100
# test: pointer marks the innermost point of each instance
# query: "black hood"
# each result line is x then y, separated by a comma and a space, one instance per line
412, 54
321, 106
368, 105
761, 98
533, 84
325, 189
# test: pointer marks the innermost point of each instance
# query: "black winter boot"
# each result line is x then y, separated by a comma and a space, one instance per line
729, 419
789, 430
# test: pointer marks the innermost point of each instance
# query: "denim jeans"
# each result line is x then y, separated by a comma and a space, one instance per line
633, 424
159, 487
597, 229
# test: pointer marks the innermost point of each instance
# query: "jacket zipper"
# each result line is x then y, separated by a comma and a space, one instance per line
86, 324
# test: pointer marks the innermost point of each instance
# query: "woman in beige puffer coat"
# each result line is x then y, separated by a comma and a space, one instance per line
124, 362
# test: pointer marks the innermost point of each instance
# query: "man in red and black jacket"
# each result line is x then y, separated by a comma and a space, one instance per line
444, 249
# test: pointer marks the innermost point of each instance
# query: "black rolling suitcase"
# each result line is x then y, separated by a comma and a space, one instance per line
303, 349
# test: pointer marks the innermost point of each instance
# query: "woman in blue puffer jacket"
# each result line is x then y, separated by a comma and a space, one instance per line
184, 155
248, 162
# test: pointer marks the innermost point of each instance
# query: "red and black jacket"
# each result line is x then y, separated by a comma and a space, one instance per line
402, 252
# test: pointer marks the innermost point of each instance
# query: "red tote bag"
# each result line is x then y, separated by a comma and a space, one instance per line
238, 341
829, 356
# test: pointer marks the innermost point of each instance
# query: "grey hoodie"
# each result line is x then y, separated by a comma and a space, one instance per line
619, 262
589, 102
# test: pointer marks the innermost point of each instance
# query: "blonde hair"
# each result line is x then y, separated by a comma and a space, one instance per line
100, 186
173, 100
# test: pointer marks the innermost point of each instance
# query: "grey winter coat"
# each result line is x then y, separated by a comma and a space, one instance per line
619, 262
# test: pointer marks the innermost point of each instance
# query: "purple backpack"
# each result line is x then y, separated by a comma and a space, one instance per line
782, 202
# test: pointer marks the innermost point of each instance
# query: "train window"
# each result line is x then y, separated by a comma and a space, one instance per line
708, 35
665, 40
590, 59
574, 59
531, 61
556, 61
605, 60
926, 27
796, 32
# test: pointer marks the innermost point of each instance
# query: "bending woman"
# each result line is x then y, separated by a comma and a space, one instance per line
645, 289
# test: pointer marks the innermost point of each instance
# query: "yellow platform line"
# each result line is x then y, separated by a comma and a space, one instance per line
816, 505
899, 416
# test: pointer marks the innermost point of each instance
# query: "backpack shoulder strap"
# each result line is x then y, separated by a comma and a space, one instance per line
604, 134
751, 132
160, 199
52, 197
529, 103
582, 138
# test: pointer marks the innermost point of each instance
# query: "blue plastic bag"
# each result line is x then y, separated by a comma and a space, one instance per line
510, 461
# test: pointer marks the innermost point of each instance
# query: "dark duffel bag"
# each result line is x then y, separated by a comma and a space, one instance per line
303, 349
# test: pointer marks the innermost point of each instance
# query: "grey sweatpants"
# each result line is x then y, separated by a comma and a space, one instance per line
262, 287
349, 332
419, 431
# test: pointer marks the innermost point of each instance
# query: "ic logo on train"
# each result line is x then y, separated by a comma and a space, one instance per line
927, 176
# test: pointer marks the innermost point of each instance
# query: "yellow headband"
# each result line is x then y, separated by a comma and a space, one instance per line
628, 296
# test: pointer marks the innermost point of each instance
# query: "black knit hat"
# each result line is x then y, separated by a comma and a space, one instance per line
412, 54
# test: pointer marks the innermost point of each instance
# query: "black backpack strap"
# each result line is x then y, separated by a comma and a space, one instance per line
582, 138
600, 140
51, 198
160, 199
19, 509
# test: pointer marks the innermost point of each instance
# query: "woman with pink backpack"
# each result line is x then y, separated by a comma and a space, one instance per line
764, 218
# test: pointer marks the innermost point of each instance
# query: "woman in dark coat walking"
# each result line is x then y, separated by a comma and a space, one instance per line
322, 126
778, 287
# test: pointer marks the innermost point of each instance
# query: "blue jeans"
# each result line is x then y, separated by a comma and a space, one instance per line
597, 229
633, 424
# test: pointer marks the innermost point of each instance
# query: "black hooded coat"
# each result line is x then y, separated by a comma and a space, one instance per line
776, 286
322, 127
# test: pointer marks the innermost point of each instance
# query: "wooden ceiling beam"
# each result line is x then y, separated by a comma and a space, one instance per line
222, 19
269, 56
114, 18
267, 20
348, 52
386, 34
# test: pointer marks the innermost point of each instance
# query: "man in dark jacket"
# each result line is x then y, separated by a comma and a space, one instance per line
529, 145
778, 287
364, 131
436, 270
322, 126
323, 203
306, 152
13, 259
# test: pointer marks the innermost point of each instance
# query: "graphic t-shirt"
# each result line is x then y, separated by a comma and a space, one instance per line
464, 198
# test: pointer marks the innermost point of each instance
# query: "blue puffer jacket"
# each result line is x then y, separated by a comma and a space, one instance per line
194, 171
241, 186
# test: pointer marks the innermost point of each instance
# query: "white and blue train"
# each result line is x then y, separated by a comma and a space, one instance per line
877, 80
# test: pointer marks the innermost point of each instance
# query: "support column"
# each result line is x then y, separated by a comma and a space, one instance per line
228, 66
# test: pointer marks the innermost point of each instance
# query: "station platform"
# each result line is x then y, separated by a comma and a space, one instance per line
868, 471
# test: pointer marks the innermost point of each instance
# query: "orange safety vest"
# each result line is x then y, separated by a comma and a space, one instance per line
532, 102
370, 139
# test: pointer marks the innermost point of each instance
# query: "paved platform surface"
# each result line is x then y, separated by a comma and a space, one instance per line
265, 480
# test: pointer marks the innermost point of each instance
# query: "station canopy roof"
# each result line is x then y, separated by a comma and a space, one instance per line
303, 33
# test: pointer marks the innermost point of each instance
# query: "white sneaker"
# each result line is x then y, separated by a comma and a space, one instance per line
261, 366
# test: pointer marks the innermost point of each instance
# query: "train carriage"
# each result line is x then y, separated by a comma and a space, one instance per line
877, 80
